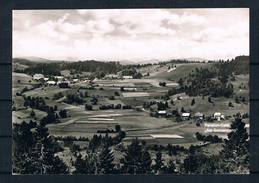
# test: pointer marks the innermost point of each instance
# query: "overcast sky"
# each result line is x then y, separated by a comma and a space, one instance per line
131, 34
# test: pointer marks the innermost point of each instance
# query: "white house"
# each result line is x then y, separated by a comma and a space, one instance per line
51, 82
217, 116
127, 77
161, 112
38, 76
59, 77
186, 115
46, 79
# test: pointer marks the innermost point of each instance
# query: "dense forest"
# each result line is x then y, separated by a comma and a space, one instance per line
86, 66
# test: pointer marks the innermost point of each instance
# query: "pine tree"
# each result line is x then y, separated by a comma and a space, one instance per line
132, 158
80, 165
158, 167
32, 114
236, 144
243, 99
105, 159
190, 164
235, 151
193, 102
145, 162
230, 104
44, 152
22, 147
170, 169
182, 110
166, 104
236, 100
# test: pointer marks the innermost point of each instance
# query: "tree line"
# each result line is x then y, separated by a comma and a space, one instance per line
34, 152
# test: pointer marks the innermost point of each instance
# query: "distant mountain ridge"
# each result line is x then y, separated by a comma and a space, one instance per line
37, 59
151, 61
195, 59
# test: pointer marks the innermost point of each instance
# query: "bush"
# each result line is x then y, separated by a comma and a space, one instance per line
111, 98
162, 83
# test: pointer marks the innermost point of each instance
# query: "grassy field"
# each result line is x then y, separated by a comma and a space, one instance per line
181, 70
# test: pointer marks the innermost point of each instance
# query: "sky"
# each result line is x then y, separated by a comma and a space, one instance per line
131, 34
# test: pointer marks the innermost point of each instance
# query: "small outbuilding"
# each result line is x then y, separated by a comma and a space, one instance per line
51, 82
186, 116
217, 116
38, 76
127, 77
161, 113
198, 115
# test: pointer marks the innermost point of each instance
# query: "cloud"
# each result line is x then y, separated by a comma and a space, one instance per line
186, 18
72, 28
216, 34
46, 29
99, 26
63, 38
129, 34
27, 24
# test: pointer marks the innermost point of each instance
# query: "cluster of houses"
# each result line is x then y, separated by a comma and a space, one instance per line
57, 79
61, 79
116, 76
186, 116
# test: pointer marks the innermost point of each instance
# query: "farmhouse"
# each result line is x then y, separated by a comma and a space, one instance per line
217, 116
96, 79
38, 76
198, 115
127, 77
51, 82
59, 82
186, 116
112, 76
161, 113
59, 77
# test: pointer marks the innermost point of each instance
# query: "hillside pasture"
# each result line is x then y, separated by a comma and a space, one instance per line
135, 94
181, 70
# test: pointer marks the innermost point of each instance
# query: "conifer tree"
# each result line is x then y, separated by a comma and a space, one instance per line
32, 114
158, 167
236, 144
44, 152
209, 100
193, 102
170, 169
145, 163
80, 165
132, 158
236, 100
105, 160
243, 99
235, 153
190, 164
